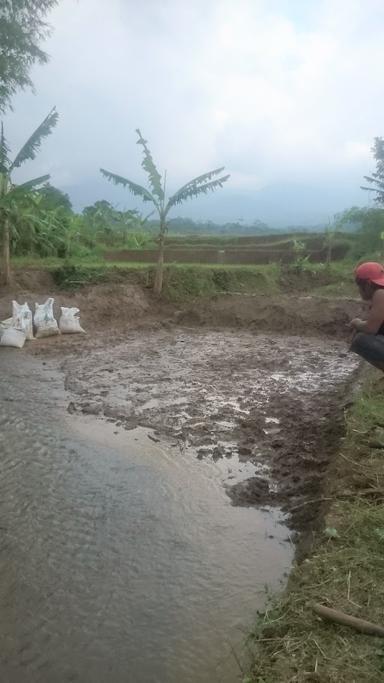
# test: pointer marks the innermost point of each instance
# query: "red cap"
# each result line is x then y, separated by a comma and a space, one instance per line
374, 272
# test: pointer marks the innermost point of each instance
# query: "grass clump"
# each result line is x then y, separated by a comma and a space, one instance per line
192, 281
345, 570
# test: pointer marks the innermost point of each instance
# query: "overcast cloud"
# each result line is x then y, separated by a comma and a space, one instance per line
287, 94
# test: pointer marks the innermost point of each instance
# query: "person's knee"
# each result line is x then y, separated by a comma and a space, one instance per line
361, 343
370, 347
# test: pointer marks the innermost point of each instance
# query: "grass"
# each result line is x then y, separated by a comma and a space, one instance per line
50, 263
181, 281
343, 288
188, 281
344, 570
185, 281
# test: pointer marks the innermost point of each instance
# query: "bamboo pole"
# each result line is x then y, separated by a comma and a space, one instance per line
361, 625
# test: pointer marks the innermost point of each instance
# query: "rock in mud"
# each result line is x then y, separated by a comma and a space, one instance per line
91, 408
253, 491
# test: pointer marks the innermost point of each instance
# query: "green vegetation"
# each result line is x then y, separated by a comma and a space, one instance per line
183, 282
186, 226
156, 195
17, 202
44, 225
369, 226
345, 570
22, 28
376, 180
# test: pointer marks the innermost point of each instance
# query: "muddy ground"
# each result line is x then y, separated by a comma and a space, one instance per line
268, 410
255, 384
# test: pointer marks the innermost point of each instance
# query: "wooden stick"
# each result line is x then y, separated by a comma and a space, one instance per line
346, 620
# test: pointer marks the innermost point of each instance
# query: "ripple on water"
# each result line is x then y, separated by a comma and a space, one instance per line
120, 559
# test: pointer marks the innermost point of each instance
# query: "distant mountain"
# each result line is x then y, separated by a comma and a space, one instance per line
279, 205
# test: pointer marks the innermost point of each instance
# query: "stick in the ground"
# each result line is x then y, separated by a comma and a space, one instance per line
346, 620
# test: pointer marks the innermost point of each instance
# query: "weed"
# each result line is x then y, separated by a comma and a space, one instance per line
345, 570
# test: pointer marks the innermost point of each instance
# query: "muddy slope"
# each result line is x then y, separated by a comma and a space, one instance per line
288, 314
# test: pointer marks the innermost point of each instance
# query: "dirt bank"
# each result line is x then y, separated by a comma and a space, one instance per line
288, 314
124, 304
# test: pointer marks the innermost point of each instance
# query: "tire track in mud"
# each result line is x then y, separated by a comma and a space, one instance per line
268, 410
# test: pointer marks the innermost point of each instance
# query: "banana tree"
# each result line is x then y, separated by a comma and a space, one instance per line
10, 194
156, 195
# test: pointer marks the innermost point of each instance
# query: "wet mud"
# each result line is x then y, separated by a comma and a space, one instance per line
267, 409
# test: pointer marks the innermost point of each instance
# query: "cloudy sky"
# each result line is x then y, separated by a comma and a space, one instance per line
287, 94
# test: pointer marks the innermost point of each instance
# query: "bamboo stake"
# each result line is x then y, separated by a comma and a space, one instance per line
361, 625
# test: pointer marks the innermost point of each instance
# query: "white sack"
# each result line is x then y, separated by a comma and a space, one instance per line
22, 319
45, 323
69, 323
12, 337
5, 325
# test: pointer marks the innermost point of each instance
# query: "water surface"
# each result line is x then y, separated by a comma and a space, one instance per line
121, 559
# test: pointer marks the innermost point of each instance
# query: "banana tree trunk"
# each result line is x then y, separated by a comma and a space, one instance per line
6, 269
158, 284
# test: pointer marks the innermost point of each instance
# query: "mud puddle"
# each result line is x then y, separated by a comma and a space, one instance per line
121, 557
266, 410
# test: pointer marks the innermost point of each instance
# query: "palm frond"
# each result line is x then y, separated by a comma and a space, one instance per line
196, 182
17, 193
32, 146
379, 199
31, 184
24, 190
4, 150
375, 180
149, 167
371, 189
194, 190
137, 190
204, 178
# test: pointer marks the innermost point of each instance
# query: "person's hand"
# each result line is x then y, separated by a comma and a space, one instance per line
356, 324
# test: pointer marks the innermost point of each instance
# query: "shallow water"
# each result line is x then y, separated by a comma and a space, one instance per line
121, 559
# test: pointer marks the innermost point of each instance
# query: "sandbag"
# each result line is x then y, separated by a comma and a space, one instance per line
5, 325
69, 323
13, 337
22, 319
45, 323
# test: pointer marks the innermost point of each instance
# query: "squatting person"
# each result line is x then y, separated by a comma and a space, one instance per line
368, 341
